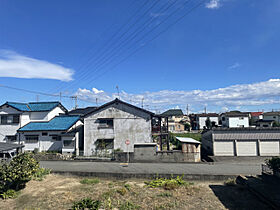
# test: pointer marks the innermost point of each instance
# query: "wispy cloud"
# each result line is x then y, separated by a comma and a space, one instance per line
234, 66
213, 4
15, 65
255, 94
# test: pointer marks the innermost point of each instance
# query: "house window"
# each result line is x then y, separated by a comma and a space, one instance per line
4, 119
9, 119
11, 138
31, 139
223, 118
105, 123
241, 118
44, 133
56, 137
68, 143
15, 119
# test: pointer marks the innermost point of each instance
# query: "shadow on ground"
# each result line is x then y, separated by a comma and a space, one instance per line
237, 197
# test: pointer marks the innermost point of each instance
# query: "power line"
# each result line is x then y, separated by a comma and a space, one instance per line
169, 26
117, 32
121, 45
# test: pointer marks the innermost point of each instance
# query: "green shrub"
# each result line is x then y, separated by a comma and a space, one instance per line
17, 172
9, 194
89, 181
127, 186
86, 203
273, 163
168, 184
41, 173
127, 205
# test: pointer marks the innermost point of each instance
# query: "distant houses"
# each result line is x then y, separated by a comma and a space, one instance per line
118, 126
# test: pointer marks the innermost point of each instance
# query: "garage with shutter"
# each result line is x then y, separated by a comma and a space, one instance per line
251, 141
269, 148
247, 148
224, 148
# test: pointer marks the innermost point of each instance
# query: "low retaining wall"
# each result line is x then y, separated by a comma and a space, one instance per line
189, 177
51, 156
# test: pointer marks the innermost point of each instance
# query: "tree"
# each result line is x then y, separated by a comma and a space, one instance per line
276, 124
208, 123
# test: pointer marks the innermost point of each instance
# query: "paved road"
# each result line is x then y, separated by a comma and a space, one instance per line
218, 168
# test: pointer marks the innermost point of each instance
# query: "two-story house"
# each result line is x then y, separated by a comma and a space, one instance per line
201, 120
176, 120
274, 116
15, 115
235, 119
116, 125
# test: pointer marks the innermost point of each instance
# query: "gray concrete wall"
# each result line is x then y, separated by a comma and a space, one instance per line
129, 124
149, 154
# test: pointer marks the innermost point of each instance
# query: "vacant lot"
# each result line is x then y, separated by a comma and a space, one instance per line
59, 192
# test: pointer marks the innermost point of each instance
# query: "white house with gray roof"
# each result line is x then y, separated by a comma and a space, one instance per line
15, 115
235, 119
112, 125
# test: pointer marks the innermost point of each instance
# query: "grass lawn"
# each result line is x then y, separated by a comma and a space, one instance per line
59, 192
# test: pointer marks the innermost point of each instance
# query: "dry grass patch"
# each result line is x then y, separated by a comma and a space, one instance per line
60, 192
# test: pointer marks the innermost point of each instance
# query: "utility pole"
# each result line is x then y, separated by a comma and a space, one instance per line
142, 102
60, 96
75, 98
118, 91
187, 109
37, 98
96, 102
205, 110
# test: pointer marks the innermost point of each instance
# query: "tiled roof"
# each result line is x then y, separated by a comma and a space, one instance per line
82, 111
172, 112
59, 123
208, 115
256, 114
34, 106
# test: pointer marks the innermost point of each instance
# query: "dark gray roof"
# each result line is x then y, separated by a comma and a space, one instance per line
172, 112
208, 115
82, 111
271, 113
236, 114
245, 128
7, 146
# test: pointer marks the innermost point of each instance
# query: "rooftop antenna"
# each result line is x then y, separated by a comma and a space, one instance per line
117, 87
142, 102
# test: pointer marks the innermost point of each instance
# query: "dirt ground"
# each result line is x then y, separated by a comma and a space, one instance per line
59, 192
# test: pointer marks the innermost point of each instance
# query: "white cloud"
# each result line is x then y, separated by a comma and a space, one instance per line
20, 66
234, 66
213, 4
255, 94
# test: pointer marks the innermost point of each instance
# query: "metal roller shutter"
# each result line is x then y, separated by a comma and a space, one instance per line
269, 148
246, 148
224, 148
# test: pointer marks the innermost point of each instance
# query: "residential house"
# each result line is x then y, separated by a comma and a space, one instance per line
235, 119
116, 125
15, 115
250, 141
275, 116
177, 121
264, 123
255, 117
201, 120
59, 134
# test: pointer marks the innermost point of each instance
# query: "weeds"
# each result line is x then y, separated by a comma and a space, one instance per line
127, 186
165, 194
230, 182
90, 181
128, 205
41, 173
122, 191
86, 203
168, 184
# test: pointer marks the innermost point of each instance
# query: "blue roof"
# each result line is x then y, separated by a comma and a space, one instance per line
34, 106
58, 123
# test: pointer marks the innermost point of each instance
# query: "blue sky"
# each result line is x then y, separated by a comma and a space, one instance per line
223, 55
